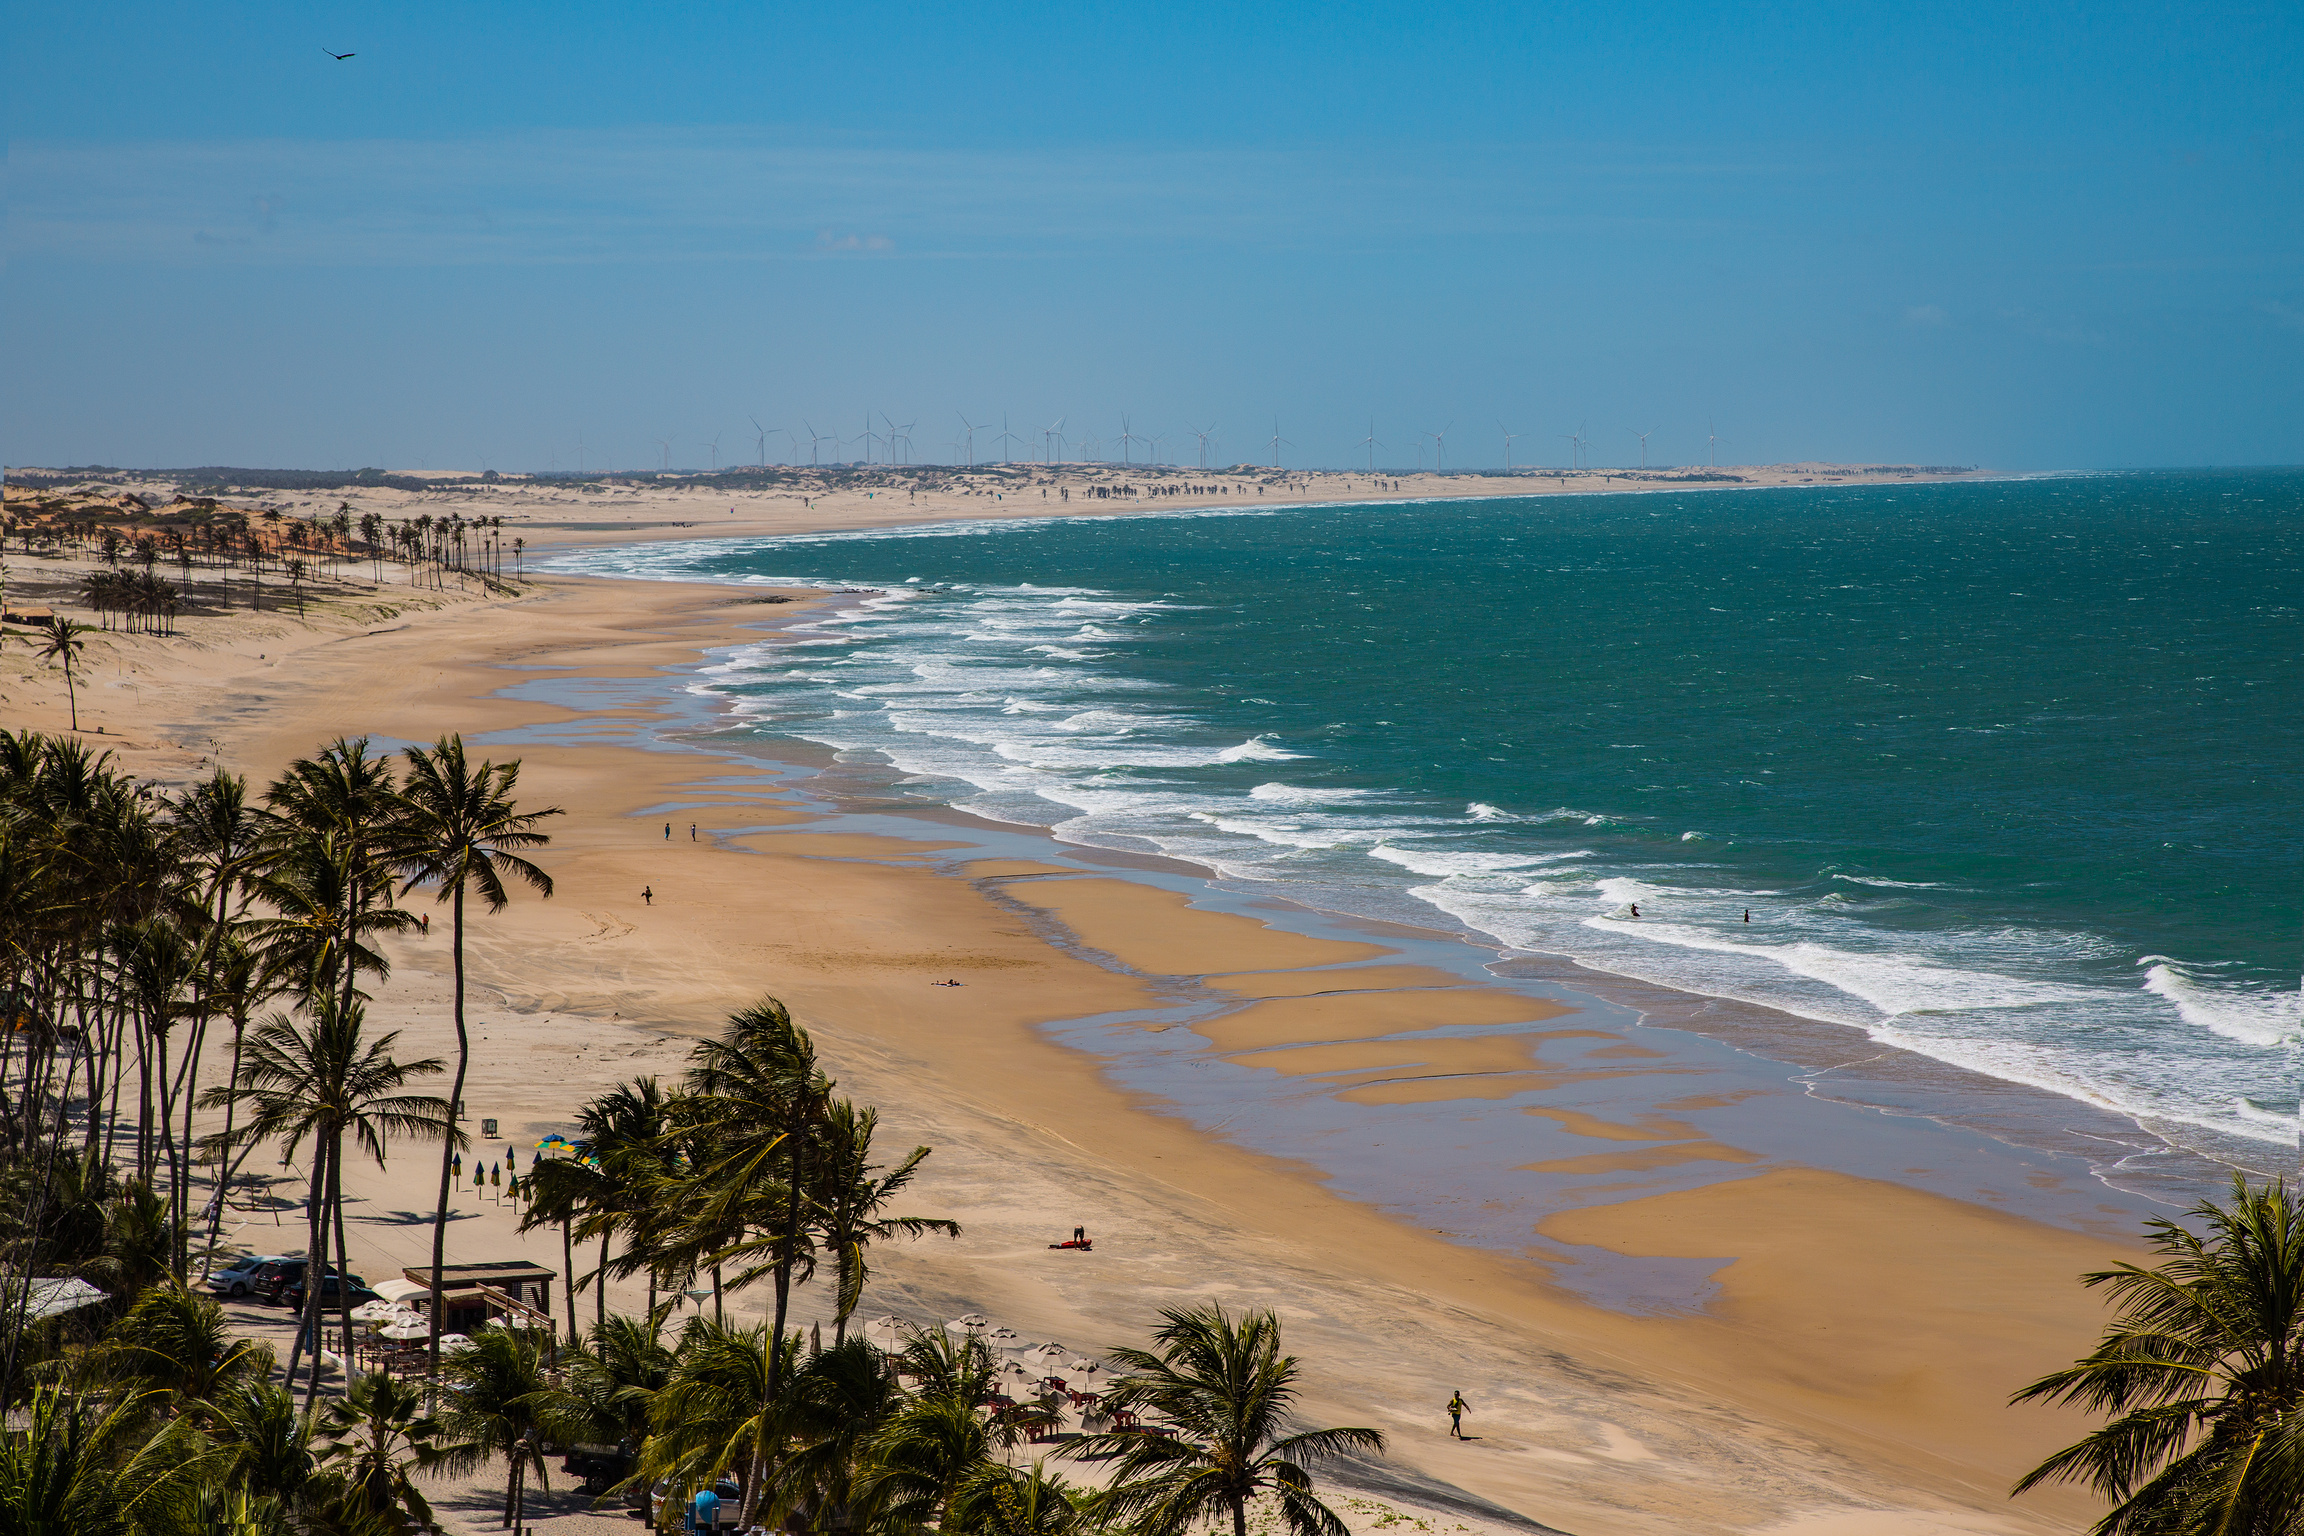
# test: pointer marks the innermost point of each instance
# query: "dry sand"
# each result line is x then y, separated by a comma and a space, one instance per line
1849, 1377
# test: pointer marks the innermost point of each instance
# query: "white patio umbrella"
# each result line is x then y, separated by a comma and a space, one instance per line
887, 1332
379, 1312
1045, 1354
965, 1327
1004, 1338
413, 1328
1083, 1367
451, 1343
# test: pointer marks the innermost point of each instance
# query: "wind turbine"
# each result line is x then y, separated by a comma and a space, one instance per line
1052, 440
1369, 442
1126, 437
1508, 436
1203, 436
664, 447
897, 434
1643, 436
716, 451
971, 428
815, 437
1277, 441
760, 435
1575, 443
1440, 449
1711, 443
1005, 436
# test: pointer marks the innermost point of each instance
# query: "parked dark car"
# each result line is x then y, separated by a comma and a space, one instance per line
330, 1298
602, 1467
239, 1277
275, 1276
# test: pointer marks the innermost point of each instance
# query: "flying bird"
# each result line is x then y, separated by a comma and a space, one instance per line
338, 57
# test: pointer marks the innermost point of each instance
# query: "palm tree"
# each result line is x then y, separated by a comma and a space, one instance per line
326, 1084
720, 1412
495, 1391
2203, 1368
65, 645
937, 1439
378, 1439
997, 1500
1227, 1388
263, 1446
81, 1465
758, 1102
177, 1344
839, 1401
462, 832
605, 1395
851, 1202
606, 1189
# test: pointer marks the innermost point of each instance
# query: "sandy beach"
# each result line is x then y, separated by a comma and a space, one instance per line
1845, 1375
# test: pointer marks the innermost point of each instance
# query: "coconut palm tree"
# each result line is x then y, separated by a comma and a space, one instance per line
495, 1390
324, 1083
1228, 1390
177, 1344
720, 1411
605, 1395
378, 1438
463, 832
262, 1445
757, 1101
852, 1198
83, 1465
65, 645
999, 1500
607, 1188
840, 1400
2202, 1368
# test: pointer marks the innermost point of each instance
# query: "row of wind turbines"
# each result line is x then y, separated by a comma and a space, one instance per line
892, 444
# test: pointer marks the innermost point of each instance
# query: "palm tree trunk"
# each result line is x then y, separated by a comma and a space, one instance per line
455, 1113
719, 1309
600, 1292
343, 1262
231, 1163
568, 1277
315, 1267
1239, 1516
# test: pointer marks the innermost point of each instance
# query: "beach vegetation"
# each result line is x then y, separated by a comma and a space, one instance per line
2201, 1375
1225, 1386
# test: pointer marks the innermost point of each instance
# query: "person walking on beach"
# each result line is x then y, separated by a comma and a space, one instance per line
1456, 1407
648, 895
667, 831
691, 831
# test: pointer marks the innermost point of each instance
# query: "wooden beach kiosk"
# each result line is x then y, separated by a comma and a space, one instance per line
516, 1291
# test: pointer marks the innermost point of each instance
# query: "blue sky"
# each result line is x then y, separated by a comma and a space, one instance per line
2023, 236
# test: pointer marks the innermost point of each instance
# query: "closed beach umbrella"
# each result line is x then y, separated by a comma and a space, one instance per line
457, 1162
479, 1175
495, 1176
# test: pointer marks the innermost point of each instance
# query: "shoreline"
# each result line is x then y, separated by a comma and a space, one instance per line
1727, 1419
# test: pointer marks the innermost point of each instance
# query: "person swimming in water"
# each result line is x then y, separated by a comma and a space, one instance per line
1635, 909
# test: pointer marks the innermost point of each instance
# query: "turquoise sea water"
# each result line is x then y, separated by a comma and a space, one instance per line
2004, 773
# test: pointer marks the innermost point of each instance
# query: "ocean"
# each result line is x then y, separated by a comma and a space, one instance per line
2000, 773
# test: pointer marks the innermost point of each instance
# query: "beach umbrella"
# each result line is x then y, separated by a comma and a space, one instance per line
966, 1327
454, 1343
479, 1175
1045, 1353
886, 1332
378, 1311
457, 1162
1083, 1367
1004, 1338
413, 1328
495, 1176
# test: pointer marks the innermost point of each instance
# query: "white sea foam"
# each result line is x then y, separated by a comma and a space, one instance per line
2250, 1017
1468, 861
1257, 749
1294, 794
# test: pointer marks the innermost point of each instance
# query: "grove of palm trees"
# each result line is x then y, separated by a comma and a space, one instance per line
188, 979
